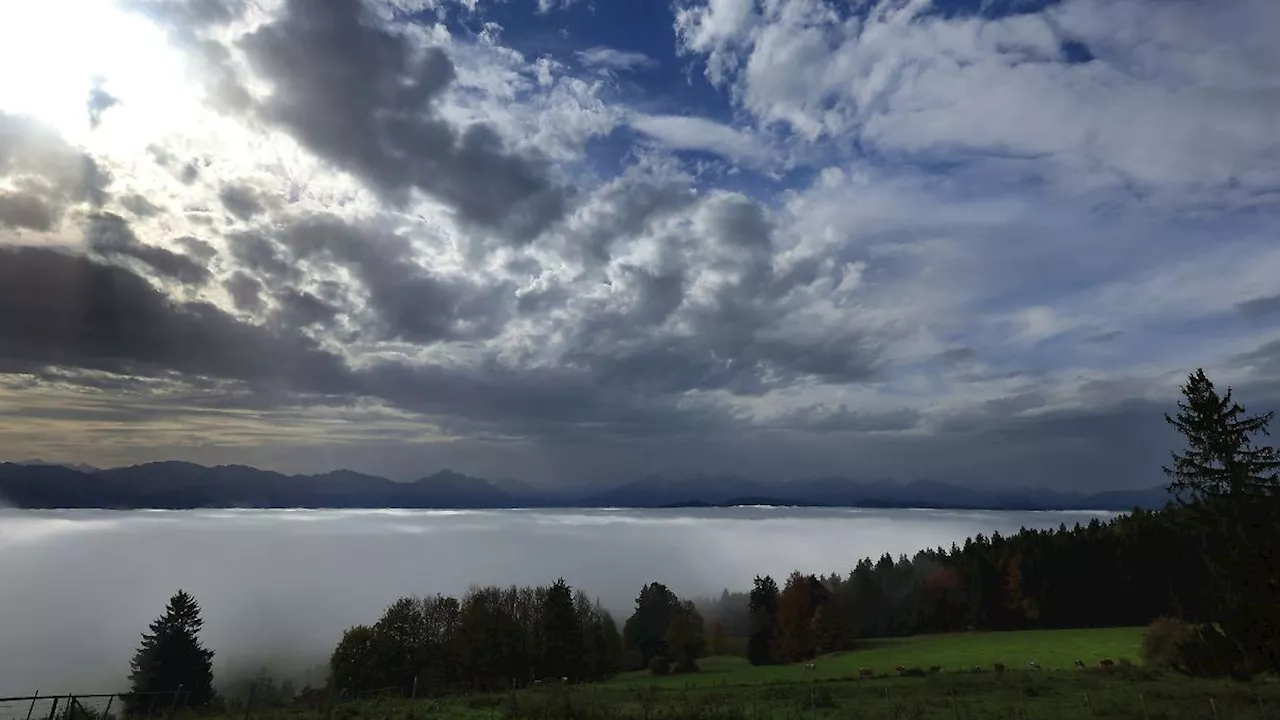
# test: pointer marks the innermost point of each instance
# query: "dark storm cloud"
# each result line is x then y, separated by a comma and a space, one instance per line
841, 419
410, 303
63, 310
542, 402
361, 96
111, 236
26, 210
241, 201
1260, 306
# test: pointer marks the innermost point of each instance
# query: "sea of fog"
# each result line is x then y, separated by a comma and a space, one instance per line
278, 587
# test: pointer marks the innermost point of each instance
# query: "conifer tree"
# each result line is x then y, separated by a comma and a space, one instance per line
171, 659
1228, 485
762, 646
1221, 459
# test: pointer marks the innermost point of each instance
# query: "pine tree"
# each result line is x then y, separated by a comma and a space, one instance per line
1227, 485
762, 646
171, 659
1221, 459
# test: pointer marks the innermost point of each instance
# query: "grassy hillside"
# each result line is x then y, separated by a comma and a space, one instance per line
731, 689
1052, 649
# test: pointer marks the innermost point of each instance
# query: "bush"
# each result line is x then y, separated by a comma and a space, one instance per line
1199, 650
660, 666
1161, 640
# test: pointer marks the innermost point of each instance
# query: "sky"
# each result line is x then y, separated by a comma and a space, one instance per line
577, 241
264, 578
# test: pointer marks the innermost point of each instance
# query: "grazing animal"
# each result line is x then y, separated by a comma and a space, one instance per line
999, 667
1105, 663
935, 668
865, 672
1079, 664
900, 668
810, 666
1033, 665
977, 668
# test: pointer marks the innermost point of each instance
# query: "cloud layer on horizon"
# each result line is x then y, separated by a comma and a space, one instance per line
982, 243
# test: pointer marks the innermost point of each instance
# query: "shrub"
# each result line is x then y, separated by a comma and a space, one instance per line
1161, 640
1199, 650
660, 666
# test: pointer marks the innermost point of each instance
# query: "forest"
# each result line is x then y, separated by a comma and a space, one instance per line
1201, 573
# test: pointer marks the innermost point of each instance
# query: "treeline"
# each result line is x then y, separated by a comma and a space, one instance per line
491, 639
1127, 571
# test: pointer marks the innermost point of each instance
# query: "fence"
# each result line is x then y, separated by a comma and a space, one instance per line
91, 706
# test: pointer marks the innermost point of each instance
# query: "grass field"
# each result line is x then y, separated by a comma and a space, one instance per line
1052, 649
731, 689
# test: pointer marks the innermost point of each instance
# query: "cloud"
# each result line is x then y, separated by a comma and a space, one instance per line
909, 82
26, 210
695, 133
614, 59
241, 201
61, 310
372, 114
1260, 306
50, 171
111, 235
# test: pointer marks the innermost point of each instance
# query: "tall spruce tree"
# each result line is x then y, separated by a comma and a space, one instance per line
171, 659
1221, 459
1228, 486
762, 645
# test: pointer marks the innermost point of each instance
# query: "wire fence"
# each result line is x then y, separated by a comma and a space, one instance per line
92, 706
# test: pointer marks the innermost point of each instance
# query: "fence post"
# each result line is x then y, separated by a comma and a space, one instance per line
106, 713
1022, 702
955, 707
1143, 702
53, 709
32, 708
1262, 709
414, 692
1088, 705
1214, 706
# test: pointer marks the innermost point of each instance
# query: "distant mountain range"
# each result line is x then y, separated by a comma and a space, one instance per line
179, 485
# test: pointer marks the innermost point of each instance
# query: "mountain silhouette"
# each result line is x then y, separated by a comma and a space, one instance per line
181, 485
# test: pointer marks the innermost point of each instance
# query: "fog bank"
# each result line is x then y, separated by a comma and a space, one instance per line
278, 587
